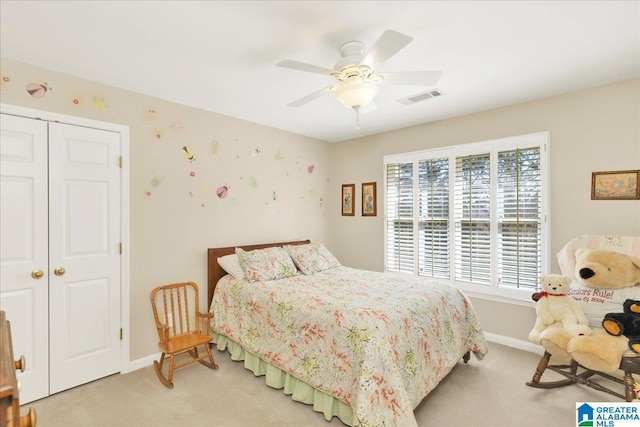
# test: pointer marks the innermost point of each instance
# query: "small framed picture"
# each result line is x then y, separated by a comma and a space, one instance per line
348, 199
615, 185
369, 199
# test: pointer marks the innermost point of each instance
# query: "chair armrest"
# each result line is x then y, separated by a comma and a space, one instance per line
160, 325
205, 315
163, 331
203, 321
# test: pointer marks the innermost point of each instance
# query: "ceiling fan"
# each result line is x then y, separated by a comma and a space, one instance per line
357, 81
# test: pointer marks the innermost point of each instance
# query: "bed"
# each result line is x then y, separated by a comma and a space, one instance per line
364, 346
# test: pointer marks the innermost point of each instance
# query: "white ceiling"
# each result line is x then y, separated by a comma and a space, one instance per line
219, 56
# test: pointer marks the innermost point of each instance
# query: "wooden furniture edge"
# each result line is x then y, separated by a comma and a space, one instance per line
9, 393
215, 272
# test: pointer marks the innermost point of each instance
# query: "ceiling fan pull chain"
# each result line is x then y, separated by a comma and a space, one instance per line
357, 108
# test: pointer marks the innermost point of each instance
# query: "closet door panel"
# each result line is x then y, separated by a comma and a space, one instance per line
84, 227
87, 204
23, 247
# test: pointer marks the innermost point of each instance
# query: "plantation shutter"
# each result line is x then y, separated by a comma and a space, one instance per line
433, 225
519, 215
399, 217
472, 215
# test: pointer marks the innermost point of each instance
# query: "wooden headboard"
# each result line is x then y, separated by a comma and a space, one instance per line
215, 272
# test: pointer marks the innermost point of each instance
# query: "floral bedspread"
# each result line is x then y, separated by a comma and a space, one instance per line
379, 342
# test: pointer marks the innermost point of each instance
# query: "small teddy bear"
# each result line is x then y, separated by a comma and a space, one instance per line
554, 304
626, 323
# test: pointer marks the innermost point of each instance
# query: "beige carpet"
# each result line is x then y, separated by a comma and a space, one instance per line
491, 392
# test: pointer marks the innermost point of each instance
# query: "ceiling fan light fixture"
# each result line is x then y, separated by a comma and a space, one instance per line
353, 95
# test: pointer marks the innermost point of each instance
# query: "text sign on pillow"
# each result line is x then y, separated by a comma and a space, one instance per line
595, 303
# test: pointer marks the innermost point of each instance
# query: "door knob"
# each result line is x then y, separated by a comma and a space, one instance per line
59, 271
20, 364
36, 274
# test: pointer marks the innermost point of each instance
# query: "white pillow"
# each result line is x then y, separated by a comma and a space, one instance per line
597, 302
231, 264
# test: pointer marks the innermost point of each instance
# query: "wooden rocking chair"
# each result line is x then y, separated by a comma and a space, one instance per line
577, 374
573, 372
182, 328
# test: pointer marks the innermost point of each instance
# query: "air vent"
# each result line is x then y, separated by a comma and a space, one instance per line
434, 93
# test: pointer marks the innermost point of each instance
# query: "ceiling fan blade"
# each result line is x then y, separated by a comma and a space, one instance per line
389, 43
310, 97
301, 66
412, 78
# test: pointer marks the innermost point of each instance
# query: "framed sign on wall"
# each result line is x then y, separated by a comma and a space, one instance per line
348, 199
369, 202
615, 185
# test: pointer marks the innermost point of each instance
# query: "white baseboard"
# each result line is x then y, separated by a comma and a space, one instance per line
515, 343
143, 362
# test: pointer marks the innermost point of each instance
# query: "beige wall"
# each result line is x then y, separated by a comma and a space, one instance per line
175, 214
591, 130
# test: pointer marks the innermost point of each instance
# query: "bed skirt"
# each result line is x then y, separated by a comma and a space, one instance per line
276, 378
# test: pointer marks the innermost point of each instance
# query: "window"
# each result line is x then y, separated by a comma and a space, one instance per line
473, 214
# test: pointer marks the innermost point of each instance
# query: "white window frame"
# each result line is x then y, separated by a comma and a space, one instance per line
493, 291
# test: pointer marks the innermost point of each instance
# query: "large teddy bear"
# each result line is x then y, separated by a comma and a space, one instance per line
606, 277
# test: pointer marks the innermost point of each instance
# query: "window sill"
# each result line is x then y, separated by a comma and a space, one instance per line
499, 298
513, 296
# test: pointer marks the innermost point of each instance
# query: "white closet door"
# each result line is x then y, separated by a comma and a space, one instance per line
23, 248
84, 257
